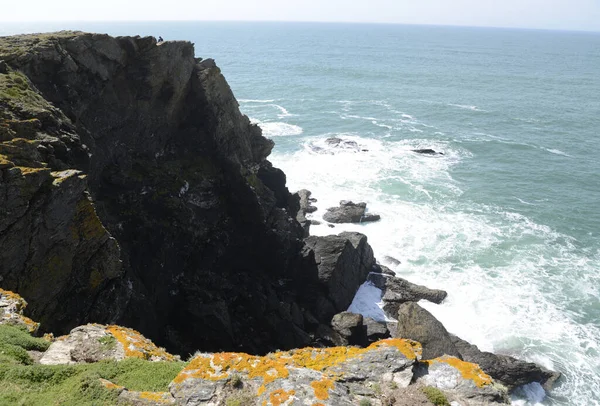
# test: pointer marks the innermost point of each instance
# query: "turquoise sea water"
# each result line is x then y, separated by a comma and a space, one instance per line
507, 220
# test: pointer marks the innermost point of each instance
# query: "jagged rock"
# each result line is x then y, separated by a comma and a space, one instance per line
95, 342
382, 269
391, 260
427, 151
350, 327
397, 291
343, 262
3, 67
11, 311
508, 371
169, 168
418, 324
463, 382
331, 376
349, 212
305, 207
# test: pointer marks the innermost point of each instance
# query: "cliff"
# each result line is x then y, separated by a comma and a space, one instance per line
134, 191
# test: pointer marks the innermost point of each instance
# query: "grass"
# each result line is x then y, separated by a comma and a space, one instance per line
108, 342
435, 396
365, 402
46, 385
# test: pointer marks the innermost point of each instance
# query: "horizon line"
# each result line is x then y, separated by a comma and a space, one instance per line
581, 30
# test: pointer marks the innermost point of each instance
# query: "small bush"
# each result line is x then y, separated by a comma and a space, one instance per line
365, 402
21, 338
435, 396
236, 381
108, 342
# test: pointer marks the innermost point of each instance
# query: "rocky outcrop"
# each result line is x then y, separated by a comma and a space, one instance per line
11, 311
397, 291
427, 151
418, 324
306, 207
349, 212
343, 262
507, 370
96, 342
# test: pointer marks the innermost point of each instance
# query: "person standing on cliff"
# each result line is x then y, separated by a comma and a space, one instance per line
160, 39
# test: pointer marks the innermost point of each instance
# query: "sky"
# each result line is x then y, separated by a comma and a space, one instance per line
544, 14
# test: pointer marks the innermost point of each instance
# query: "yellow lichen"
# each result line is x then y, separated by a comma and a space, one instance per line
136, 345
280, 396
468, 370
275, 366
159, 397
109, 385
321, 388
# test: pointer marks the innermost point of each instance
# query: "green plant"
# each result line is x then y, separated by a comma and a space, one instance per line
108, 341
435, 396
365, 402
376, 388
236, 381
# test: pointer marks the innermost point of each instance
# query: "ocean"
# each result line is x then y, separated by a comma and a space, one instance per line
506, 220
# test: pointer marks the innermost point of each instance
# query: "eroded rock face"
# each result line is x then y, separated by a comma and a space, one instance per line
122, 139
11, 311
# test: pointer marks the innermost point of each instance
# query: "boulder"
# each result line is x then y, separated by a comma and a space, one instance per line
305, 207
507, 370
343, 262
349, 212
418, 324
376, 330
397, 291
350, 327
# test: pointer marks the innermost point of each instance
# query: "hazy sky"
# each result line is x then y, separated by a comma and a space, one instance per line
552, 14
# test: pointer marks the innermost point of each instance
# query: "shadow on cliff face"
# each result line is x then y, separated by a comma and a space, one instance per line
212, 256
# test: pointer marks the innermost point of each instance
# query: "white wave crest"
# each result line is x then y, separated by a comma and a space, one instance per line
279, 129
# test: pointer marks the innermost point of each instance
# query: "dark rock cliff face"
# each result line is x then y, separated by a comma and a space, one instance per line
209, 251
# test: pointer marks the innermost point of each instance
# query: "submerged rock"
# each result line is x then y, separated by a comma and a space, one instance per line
427, 151
349, 212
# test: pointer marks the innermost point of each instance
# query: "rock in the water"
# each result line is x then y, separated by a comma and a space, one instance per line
96, 342
343, 262
418, 324
507, 370
391, 261
461, 381
349, 212
397, 291
427, 151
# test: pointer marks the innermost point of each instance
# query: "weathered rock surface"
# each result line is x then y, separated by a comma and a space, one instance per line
349, 212
11, 311
507, 370
331, 376
397, 291
343, 262
461, 381
418, 324
96, 342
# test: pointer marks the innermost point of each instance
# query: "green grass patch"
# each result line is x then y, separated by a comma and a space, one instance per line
45, 385
435, 396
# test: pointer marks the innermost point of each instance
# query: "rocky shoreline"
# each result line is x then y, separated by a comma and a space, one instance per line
133, 192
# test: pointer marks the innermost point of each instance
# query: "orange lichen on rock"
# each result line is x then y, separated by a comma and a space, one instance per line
11, 311
468, 370
19, 302
322, 388
136, 345
109, 385
275, 366
159, 397
280, 396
